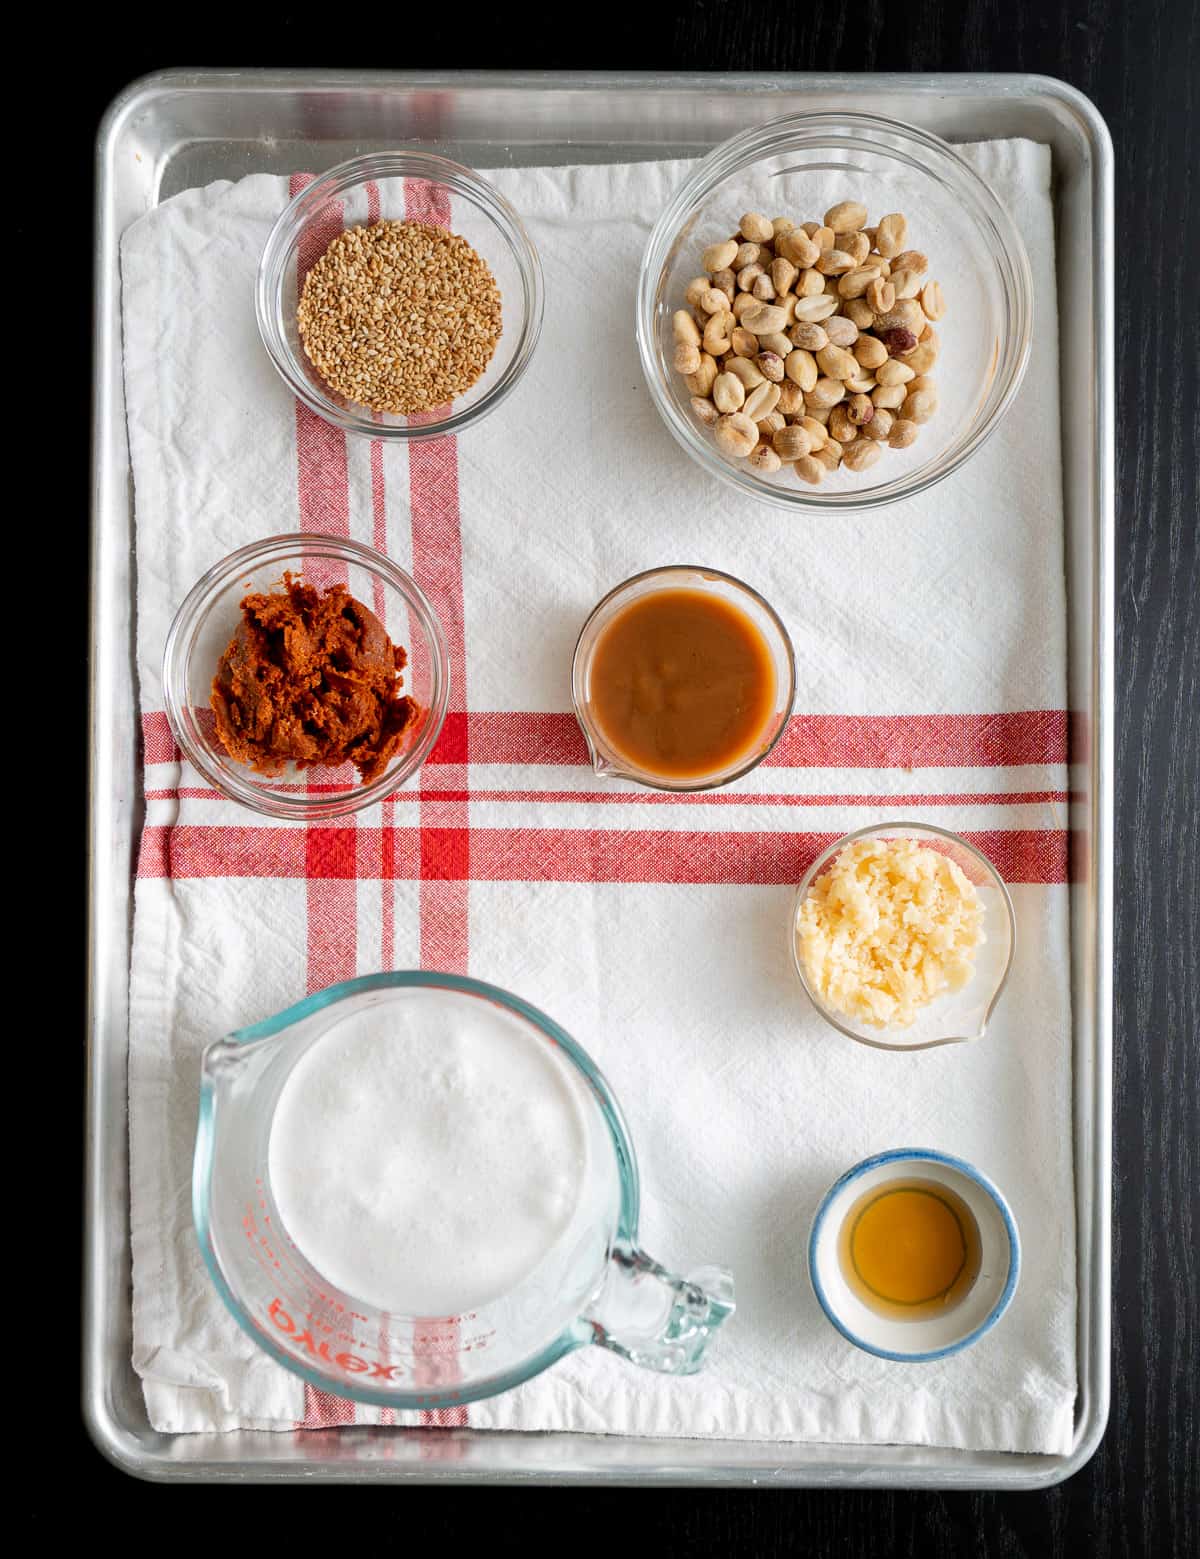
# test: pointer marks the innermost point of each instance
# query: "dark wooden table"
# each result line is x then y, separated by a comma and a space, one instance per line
1138, 62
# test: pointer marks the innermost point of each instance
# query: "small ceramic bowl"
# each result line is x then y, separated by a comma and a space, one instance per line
930, 1337
955, 1016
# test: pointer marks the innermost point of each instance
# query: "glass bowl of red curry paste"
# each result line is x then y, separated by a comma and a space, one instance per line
210, 619
683, 679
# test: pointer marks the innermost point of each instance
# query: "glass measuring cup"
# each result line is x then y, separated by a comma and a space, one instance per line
594, 1285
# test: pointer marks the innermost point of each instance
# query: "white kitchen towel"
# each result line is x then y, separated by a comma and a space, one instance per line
930, 643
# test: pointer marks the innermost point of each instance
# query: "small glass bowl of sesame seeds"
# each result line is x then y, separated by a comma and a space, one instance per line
431, 270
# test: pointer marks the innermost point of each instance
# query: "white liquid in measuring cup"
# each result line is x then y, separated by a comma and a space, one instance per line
426, 1153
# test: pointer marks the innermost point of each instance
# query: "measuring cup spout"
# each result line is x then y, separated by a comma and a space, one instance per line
656, 1319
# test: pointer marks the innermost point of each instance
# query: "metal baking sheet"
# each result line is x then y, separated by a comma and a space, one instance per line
178, 129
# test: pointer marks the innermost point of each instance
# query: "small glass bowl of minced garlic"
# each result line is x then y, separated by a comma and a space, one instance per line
902, 935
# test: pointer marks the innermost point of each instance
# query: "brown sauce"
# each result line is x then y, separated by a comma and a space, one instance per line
682, 685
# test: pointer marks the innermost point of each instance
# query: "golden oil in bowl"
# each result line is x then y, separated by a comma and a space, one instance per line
910, 1249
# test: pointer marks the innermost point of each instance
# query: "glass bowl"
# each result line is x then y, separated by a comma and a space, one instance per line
208, 620
606, 760
397, 186
798, 167
955, 1016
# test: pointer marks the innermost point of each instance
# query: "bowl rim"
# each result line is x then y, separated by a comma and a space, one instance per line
350, 174
683, 786
902, 826
969, 1172
837, 130
280, 549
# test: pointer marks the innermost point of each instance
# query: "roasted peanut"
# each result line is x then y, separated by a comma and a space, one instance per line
695, 290
855, 283
857, 246
770, 365
774, 341
687, 357
791, 398
713, 301
685, 328
910, 260
764, 288
744, 343
814, 310
870, 352
922, 357
809, 284
888, 396
903, 434
763, 458
841, 331
826, 392
891, 233
748, 275
717, 333
704, 409
860, 455
837, 362
811, 337
799, 248
861, 384
791, 443
860, 313
769, 425
906, 315
701, 382
757, 228
829, 455
879, 425
832, 262
726, 282
783, 274
859, 409
899, 342
764, 317
846, 217
745, 370
801, 368
736, 435
906, 283
750, 254
762, 399
920, 405
808, 470
718, 257
893, 371
881, 295
728, 393
817, 432
841, 427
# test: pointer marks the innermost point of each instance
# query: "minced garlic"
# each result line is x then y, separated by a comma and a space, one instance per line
891, 925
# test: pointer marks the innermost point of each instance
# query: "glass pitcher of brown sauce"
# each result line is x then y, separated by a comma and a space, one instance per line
683, 679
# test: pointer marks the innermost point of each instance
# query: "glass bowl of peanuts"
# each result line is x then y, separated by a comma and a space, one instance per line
399, 295
834, 312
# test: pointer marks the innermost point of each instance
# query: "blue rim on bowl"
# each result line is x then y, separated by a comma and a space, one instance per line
917, 1157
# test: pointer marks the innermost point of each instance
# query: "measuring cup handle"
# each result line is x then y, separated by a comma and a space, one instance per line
656, 1319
